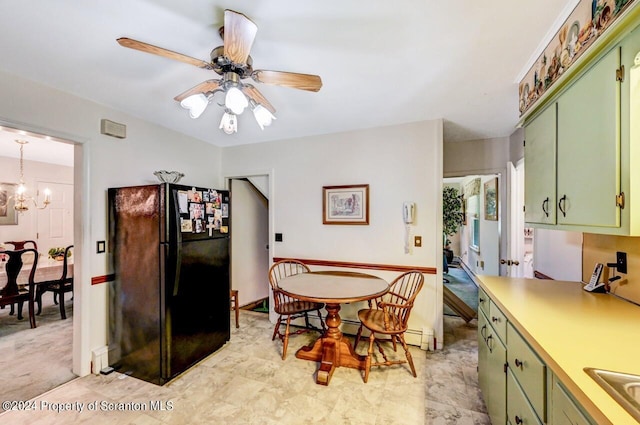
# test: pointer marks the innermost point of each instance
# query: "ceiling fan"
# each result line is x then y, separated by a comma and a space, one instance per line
233, 63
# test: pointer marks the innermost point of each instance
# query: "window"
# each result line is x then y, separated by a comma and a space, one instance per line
473, 208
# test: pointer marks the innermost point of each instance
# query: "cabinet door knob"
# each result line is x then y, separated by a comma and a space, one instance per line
518, 420
545, 207
519, 364
494, 319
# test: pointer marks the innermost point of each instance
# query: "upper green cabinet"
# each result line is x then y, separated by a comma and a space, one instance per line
582, 159
540, 168
588, 167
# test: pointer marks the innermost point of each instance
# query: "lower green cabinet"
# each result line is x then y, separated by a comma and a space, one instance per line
519, 410
563, 410
492, 358
517, 387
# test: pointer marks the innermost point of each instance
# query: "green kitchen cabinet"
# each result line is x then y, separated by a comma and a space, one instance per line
588, 148
540, 168
516, 385
582, 144
492, 359
519, 410
528, 370
563, 410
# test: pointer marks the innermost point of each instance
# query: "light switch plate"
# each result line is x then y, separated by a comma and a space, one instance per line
417, 241
100, 247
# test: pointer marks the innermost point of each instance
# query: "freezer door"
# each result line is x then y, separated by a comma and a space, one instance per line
197, 213
197, 303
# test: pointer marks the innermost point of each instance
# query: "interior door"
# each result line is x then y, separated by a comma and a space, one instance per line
514, 264
55, 223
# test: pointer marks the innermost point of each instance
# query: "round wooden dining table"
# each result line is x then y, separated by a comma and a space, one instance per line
333, 288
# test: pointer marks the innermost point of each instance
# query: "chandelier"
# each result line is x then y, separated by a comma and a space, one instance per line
21, 198
235, 102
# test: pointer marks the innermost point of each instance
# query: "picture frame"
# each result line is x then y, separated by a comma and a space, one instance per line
491, 199
8, 215
347, 204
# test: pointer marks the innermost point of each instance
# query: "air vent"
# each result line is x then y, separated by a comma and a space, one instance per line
114, 129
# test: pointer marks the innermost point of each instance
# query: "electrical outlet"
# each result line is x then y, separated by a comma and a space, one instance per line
278, 237
621, 262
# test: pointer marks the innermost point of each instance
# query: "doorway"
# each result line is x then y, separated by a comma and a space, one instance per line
477, 243
48, 162
250, 258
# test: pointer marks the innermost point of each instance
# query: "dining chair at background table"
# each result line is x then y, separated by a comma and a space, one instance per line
289, 307
17, 246
57, 286
388, 316
13, 292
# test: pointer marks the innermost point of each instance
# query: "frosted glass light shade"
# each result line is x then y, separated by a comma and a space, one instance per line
229, 123
263, 116
235, 100
196, 104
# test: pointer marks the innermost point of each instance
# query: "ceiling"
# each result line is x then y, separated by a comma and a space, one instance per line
381, 63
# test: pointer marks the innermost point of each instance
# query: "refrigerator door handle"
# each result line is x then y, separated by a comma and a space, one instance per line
176, 277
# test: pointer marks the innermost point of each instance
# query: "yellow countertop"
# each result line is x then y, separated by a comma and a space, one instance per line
571, 329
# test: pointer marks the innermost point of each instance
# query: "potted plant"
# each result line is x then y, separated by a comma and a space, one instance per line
452, 217
57, 253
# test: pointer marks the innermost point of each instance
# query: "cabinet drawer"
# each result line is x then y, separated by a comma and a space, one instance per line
528, 370
563, 409
498, 321
483, 301
519, 411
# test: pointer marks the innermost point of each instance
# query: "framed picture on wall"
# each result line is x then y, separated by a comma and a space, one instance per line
491, 199
7, 212
345, 204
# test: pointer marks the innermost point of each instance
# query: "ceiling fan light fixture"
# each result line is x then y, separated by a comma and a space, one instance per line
196, 104
229, 123
235, 100
263, 116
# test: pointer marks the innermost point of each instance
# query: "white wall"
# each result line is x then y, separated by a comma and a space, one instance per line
34, 172
558, 254
102, 162
400, 163
249, 240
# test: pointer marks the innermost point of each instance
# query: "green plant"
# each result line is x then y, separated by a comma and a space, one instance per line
58, 251
452, 215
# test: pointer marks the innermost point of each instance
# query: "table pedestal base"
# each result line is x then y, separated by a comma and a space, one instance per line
332, 350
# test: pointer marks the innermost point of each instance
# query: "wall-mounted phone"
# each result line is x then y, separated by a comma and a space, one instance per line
408, 216
408, 212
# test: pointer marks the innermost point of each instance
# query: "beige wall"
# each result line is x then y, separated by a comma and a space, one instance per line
602, 249
475, 156
400, 163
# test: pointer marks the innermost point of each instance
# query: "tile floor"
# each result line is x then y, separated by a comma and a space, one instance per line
247, 382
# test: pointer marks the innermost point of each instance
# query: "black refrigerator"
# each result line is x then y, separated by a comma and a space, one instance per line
169, 302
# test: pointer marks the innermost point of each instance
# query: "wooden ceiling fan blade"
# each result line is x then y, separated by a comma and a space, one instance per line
149, 48
252, 93
288, 79
208, 86
239, 33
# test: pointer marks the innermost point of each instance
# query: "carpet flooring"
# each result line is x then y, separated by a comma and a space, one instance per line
461, 284
34, 361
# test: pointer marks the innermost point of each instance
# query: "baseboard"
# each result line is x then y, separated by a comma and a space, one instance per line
471, 274
253, 305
